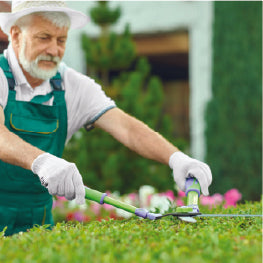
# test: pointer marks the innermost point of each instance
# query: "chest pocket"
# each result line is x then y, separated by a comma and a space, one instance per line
38, 131
32, 125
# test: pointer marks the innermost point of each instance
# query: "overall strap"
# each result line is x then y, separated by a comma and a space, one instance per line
42, 98
56, 81
8, 73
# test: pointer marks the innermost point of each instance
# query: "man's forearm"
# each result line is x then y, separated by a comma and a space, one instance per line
136, 135
148, 143
16, 151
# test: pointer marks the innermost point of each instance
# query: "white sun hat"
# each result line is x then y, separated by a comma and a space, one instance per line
23, 8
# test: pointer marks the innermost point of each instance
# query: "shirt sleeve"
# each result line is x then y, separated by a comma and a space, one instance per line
3, 89
86, 101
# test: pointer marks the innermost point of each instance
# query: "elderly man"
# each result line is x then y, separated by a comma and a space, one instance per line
43, 102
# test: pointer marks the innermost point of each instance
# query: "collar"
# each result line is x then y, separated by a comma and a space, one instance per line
15, 67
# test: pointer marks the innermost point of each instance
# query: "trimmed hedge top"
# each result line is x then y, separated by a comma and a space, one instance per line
135, 240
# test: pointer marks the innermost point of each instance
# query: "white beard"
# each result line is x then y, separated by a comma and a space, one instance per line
32, 66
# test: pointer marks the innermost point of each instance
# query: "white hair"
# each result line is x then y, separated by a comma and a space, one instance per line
59, 19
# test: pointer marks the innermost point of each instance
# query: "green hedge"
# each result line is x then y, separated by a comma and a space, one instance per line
234, 119
227, 240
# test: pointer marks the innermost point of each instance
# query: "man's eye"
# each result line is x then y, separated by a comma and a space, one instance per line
43, 38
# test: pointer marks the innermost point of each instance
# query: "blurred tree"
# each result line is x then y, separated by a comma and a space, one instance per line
103, 162
234, 115
110, 51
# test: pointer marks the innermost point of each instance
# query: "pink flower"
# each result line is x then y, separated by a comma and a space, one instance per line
181, 193
55, 204
79, 216
107, 207
169, 194
207, 200
179, 202
232, 197
62, 198
133, 197
58, 203
95, 207
211, 201
148, 200
218, 199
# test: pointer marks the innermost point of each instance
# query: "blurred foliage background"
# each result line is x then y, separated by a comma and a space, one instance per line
104, 163
234, 115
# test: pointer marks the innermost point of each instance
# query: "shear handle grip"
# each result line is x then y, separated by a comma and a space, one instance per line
192, 185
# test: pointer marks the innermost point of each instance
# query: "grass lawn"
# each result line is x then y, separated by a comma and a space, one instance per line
137, 240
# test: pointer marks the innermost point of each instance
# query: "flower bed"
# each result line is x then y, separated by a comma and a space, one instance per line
147, 197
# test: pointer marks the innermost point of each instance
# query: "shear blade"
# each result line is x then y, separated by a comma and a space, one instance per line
187, 219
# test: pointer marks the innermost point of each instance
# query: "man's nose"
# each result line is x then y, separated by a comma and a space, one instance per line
53, 49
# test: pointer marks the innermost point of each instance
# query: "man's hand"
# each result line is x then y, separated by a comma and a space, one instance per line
184, 166
59, 177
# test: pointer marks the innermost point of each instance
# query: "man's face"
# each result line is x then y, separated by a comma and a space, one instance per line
41, 48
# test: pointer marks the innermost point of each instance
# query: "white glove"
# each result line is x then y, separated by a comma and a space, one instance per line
183, 166
59, 177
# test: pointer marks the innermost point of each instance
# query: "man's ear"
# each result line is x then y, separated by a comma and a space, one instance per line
16, 37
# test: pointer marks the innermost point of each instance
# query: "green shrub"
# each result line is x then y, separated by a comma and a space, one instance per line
227, 240
234, 119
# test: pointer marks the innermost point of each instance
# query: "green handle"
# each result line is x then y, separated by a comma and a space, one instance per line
193, 191
102, 198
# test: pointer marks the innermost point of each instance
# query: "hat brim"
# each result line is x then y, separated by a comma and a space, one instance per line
77, 19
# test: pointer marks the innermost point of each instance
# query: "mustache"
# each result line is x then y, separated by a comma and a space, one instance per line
48, 58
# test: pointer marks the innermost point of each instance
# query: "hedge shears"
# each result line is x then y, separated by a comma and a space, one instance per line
185, 213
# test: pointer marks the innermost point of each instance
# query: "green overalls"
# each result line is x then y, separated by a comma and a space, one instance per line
24, 202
